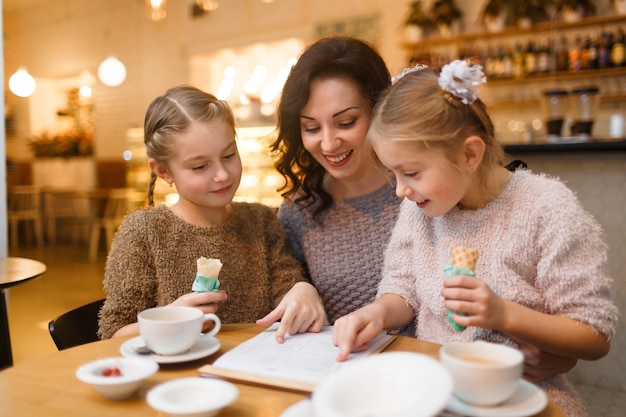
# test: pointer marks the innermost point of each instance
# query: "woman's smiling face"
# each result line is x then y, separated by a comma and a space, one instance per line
333, 125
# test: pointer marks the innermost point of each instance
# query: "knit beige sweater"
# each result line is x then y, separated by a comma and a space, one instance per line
152, 262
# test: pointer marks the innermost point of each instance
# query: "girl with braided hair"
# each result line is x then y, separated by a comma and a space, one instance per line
190, 141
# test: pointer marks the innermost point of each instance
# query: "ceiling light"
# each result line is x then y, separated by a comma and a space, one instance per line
112, 72
208, 5
22, 84
156, 9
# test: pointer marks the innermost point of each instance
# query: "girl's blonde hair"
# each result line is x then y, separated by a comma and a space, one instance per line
171, 115
416, 109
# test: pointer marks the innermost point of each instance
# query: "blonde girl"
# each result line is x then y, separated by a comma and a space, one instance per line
190, 142
539, 281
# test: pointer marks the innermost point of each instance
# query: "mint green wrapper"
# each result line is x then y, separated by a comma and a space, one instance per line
451, 271
205, 284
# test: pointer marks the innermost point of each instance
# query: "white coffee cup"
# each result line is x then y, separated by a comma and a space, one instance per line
483, 373
172, 330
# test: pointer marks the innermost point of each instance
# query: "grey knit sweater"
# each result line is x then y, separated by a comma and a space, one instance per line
537, 246
343, 252
152, 262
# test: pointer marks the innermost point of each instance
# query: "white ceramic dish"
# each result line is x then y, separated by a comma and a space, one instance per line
527, 400
399, 384
192, 397
205, 346
133, 372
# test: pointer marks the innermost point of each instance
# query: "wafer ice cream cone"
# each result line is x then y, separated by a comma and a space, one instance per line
464, 258
208, 270
463, 262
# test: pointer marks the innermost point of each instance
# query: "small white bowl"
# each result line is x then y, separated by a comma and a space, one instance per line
398, 384
133, 372
192, 397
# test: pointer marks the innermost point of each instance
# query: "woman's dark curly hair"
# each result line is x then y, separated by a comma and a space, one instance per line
336, 56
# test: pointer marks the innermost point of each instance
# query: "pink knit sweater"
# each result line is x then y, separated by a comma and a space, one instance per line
537, 246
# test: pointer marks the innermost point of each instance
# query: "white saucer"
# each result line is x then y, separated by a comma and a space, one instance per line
527, 400
203, 348
303, 408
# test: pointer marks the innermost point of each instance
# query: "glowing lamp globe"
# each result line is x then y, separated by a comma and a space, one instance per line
22, 84
112, 72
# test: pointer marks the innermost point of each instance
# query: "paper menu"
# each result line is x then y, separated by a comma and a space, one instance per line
299, 364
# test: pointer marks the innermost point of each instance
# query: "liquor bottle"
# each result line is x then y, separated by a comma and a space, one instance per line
507, 62
498, 62
592, 50
617, 49
574, 55
542, 58
518, 61
551, 45
562, 55
584, 53
489, 62
530, 58
604, 59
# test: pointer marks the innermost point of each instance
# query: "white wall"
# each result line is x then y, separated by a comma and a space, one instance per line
61, 38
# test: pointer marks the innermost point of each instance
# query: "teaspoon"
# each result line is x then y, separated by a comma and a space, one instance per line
143, 350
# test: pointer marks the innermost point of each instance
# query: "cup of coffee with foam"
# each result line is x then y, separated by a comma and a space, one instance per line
483, 373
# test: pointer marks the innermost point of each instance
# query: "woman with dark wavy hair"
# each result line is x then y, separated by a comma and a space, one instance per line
340, 206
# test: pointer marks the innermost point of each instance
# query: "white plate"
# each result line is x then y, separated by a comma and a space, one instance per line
203, 348
303, 408
527, 400
390, 383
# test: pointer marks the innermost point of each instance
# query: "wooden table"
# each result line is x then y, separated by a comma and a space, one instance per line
47, 386
13, 271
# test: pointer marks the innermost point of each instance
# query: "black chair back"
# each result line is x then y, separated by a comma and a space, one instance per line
76, 327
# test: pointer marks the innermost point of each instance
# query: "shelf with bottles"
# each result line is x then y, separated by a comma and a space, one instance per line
512, 103
259, 180
576, 55
593, 46
560, 75
536, 29
614, 145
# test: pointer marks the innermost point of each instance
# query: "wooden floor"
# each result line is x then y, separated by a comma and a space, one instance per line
71, 280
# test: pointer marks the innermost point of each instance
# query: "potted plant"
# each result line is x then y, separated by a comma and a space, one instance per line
446, 16
63, 160
69, 144
493, 15
620, 6
525, 13
416, 22
574, 10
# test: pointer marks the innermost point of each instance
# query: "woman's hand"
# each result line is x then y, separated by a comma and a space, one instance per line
472, 296
299, 311
539, 364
